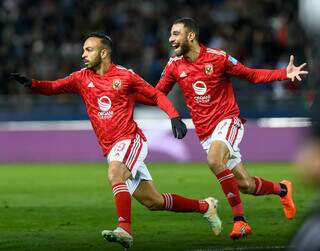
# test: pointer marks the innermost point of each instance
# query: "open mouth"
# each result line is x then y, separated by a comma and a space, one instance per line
175, 46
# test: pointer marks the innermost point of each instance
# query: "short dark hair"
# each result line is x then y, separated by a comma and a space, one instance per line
105, 39
190, 24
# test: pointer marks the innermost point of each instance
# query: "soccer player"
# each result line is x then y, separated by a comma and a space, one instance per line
107, 91
203, 76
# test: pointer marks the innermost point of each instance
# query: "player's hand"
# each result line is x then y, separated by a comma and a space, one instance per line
179, 128
294, 72
21, 79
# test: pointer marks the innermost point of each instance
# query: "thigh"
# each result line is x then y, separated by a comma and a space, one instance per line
146, 193
218, 152
228, 133
142, 175
117, 173
130, 152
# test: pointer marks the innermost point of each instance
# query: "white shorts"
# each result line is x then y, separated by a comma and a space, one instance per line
229, 131
132, 153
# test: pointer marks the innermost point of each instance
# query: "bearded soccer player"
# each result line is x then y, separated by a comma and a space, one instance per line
203, 76
107, 91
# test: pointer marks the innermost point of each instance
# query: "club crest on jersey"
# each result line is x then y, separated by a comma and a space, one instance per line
116, 84
208, 69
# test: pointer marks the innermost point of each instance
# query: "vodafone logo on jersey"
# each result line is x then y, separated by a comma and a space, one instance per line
199, 88
104, 103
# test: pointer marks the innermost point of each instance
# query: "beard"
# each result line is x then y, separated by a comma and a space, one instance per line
184, 47
93, 65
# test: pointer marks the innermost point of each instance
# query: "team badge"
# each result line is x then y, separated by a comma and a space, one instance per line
208, 69
116, 84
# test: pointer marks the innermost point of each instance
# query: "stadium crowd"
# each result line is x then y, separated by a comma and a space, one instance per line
43, 39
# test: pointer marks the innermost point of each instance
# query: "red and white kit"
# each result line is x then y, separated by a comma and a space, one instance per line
208, 91
109, 101
132, 153
229, 131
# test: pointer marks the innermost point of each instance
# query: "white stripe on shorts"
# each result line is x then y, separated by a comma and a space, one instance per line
134, 152
234, 130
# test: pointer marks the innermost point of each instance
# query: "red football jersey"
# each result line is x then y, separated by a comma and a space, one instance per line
207, 88
109, 100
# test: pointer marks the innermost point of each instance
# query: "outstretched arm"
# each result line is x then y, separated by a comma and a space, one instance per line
292, 72
21, 79
60, 86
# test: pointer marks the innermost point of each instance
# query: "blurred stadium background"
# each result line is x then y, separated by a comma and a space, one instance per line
43, 39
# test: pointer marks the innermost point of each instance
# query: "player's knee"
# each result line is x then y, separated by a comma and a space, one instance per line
216, 165
244, 185
154, 204
118, 174
115, 177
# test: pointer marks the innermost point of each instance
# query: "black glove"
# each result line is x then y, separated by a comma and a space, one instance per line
21, 79
179, 128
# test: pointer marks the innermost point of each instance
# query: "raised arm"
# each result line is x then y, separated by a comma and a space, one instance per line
60, 86
235, 68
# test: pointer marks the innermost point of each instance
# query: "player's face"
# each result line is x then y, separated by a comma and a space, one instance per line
92, 52
179, 39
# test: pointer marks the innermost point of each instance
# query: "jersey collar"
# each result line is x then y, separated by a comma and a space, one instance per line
110, 69
202, 52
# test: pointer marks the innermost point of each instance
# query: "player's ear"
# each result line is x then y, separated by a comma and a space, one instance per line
191, 36
104, 53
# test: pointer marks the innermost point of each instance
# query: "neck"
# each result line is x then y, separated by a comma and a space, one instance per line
194, 52
103, 68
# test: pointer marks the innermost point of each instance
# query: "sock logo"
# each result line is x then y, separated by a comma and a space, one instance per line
230, 195
121, 219
243, 230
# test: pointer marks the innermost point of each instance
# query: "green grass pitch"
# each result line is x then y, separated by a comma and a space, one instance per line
65, 207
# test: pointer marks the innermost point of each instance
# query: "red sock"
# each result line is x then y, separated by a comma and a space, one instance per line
122, 199
230, 188
264, 187
177, 203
